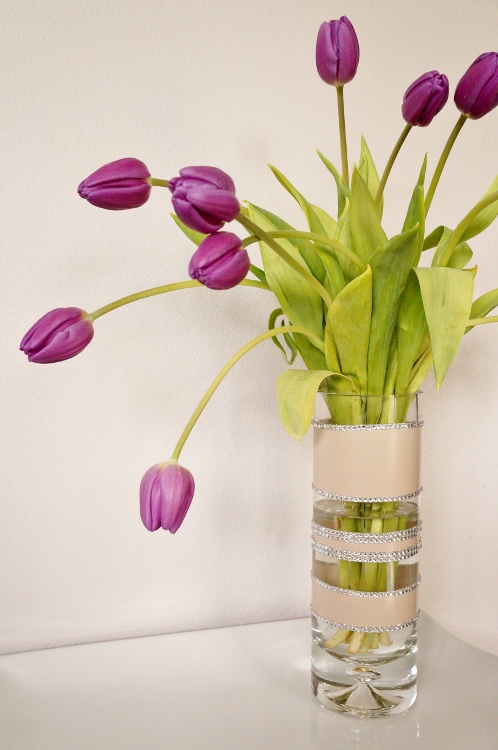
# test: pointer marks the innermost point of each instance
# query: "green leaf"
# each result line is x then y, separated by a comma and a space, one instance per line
348, 324
390, 268
296, 394
312, 357
344, 236
416, 210
287, 338
308, 251
460, 256
342, 189
366, 230
327, 255
369, 173
484, 304
412, 329
485, 218
195, 237
432, 239
328, 223
447, 298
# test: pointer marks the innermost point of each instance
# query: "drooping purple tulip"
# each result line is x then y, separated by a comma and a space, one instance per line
337, 52
477, 91
60, 334
204, 198
220, 261
425, 98
118, 185
166, 491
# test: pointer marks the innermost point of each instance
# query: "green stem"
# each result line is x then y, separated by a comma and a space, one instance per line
442, 161
226, 369
390, 162
482, 321
292, 262
157, 183
462, 226
342, 133
163, 290
312, 237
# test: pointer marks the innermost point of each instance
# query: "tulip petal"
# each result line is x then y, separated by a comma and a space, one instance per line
193, 219
210, 175
150, 505
219, 204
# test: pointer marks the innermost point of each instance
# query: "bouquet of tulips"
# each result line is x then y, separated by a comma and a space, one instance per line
356, 306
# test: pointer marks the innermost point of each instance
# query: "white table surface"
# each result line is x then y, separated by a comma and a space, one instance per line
240, 688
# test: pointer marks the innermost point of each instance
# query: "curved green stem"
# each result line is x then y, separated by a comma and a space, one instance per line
226, 369
482, 321
157, 183
292, 262
313, 238
390, 162
442, 161
163, 290
342, 134
462, 226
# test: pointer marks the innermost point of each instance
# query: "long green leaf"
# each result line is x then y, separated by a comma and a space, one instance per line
411, 328
344, 236
195, 237
287, 338
433, 239
416, 210
369, 173
366, 229
447, 298
484, 304
348, 323
342, 189
485, 218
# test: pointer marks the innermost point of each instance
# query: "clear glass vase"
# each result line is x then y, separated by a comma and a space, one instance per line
366, 537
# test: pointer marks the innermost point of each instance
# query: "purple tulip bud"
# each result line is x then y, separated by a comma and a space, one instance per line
425, 98
220, 261
477, 91
204, 198
118, 185
60, 334
166, 491
337, 52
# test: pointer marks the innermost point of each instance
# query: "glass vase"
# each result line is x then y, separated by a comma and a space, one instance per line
366, 538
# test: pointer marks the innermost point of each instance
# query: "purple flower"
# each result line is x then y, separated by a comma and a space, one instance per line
204, 198
425, 98
477, 91
166, 491
220, 261
118, 185
337, 52
60, 334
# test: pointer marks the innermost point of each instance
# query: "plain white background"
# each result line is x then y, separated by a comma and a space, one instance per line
232, 84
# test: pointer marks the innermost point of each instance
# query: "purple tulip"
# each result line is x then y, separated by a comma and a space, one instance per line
477, 91
204, 198
337, 52
425, 98
166, 491
118, 185
60, 334
220, 261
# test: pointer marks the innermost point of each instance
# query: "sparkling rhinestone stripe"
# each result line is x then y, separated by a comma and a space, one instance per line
349, 592
359, 538
342, 554
353, 499
365, 427
343, 626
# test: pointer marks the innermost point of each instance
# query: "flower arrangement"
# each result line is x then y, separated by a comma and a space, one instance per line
364, 316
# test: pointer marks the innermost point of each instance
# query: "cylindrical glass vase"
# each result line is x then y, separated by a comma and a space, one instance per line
366, 537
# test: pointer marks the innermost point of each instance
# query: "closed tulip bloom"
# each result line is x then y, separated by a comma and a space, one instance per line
477, 91
337, 52
117, 186
220, 261
60, 334
204, 198
425, 98
166, 492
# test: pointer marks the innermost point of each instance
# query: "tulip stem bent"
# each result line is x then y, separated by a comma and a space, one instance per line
390, 162
226, 369
292, 262
163, 290
480, 321
462, 226
153, 182
342, 135
442, 161
313, 237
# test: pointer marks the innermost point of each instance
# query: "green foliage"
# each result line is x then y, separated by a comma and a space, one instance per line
411, 331
366, 229
485, 218
287, 338
416, 210
368, 172
342, 189
195, 237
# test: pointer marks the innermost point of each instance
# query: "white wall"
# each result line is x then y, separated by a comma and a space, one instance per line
233, 84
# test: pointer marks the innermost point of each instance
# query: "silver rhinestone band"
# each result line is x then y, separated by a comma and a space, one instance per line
353, 499
342, 554
360, 538
366, 427
350, 592
343, 626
